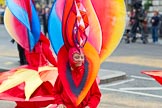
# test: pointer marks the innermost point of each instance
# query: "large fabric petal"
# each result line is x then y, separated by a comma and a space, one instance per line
67, 8
23, 75
106, 22
32, 78
32, 83
54, 29
111, 15
25, 14
156, 74
95, 35
16, 29
48, 73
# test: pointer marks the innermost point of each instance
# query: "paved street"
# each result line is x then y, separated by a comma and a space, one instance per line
136, 91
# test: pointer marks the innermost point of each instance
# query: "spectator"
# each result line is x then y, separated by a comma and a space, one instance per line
155, 22
145, 22
2, 9
45, 14
160, 26
21, 53
128, 27
138, 19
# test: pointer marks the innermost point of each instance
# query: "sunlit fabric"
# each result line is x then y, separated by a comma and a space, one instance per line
22, 22
156, 74
106, 24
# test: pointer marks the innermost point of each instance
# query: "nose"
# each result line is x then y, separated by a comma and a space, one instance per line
80, 59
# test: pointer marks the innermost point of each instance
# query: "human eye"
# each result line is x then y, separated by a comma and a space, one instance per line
77, 57
82, 56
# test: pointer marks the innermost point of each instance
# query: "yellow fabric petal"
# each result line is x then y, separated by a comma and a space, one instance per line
32, 83
17, 78
43, 68
30, 77
49, 75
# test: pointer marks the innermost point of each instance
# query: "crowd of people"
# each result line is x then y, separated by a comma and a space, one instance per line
140, 25
43, 13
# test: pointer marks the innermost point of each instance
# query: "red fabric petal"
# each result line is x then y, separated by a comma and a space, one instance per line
156, 74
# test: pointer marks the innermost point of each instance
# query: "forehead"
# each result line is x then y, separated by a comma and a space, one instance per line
78, 54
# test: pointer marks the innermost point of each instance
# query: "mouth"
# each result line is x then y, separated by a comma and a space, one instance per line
79, 64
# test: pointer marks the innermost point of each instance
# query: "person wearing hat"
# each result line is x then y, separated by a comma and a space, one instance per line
76, 71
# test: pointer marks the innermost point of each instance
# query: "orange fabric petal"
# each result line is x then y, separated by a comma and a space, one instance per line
93, 68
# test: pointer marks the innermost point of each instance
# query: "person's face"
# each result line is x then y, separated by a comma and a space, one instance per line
155, 13
78, 59
46, 10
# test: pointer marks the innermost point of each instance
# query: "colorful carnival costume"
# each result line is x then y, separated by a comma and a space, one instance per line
30, 86
76, 75
90, 25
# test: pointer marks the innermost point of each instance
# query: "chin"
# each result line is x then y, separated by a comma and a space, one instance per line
78, 65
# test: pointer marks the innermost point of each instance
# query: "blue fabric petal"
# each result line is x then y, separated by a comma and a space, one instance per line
55, 30
33, 27
19, 13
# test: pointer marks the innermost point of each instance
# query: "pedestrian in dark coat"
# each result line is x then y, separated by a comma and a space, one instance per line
155, 23
45, 15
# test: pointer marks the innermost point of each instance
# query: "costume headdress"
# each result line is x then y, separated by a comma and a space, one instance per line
93, 25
